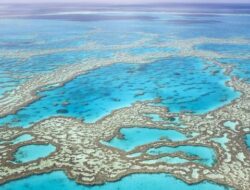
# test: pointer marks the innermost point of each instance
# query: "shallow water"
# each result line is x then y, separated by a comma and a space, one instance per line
154, 117
241, 67
205, 155
231, 124
133, 137
182, 83
223, 140
167, 159
59, 181
22, 138
29, 34
247, 141
226, 48
19, 139
29, 153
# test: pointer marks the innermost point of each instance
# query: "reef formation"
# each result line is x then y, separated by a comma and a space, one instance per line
80, 150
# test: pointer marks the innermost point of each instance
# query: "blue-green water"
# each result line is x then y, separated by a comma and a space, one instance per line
58, 181
205, 155
182, 83
231, 124
133, 137
19, 139
232, 49
22, 138
154, 117
247, 141
222, 140
28, 34
33, 152
242, 67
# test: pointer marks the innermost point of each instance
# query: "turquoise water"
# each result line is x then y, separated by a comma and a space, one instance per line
154, 117
32, 152
205, 155
231, 124
7, 80
231, 49
223, 140
59, 181
144, 50
183, 85
247, 140
167, 159
19, 139
134, 137
30, 34
22, 138
242, 67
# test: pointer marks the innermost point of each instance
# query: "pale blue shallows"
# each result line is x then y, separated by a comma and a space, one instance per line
182, 83
229, 49
241, 67
247, 141
33, 152
19, 139
59, 181
134, 137
22, 138
205, 155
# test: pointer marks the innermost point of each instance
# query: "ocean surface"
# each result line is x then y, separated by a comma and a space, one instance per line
183, 84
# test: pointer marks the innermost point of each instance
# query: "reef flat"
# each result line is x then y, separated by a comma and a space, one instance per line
83, 155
